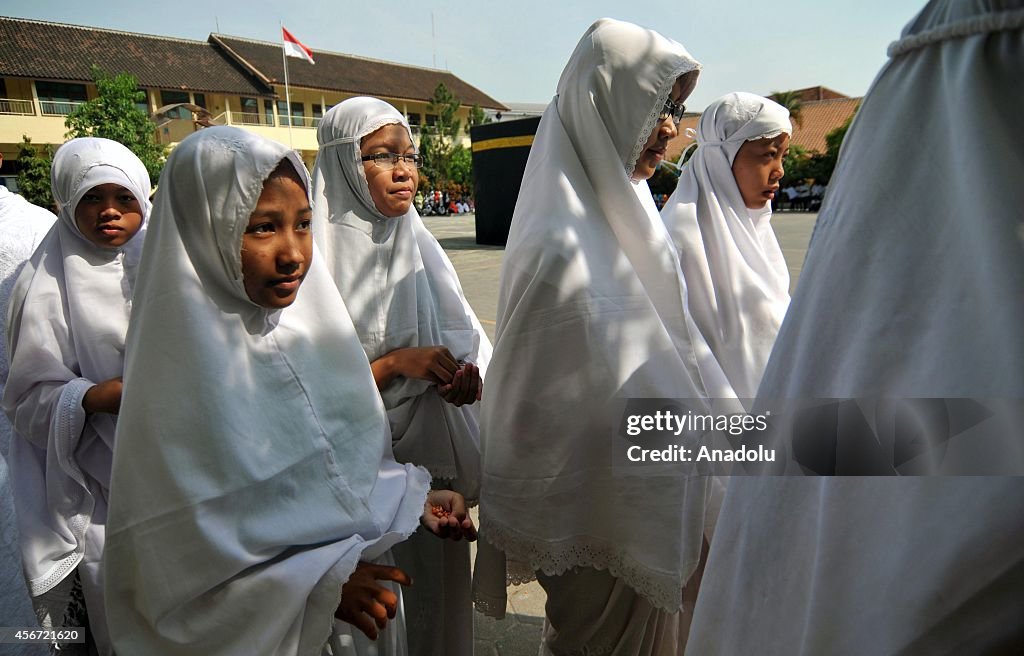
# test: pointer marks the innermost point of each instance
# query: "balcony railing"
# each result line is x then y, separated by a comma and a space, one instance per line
298, 121
245, 118
15, 106
58, 107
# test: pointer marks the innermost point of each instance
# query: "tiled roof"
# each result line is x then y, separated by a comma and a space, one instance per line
349, 74
810, 94
42, 50
818, 118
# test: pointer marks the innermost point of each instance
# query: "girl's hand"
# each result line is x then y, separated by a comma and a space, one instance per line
367, 605
432, 363
466, 387
445, 515
103, 397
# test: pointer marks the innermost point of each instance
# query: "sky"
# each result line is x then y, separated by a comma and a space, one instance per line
515, 51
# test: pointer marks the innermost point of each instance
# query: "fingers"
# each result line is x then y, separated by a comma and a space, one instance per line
364, 623
454, 525
388, 573
474, 383
461, 385
468, 530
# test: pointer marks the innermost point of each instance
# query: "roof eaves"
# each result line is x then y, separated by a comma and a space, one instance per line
217, 42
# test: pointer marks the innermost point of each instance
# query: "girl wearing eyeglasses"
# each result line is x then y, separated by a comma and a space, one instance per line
427, 350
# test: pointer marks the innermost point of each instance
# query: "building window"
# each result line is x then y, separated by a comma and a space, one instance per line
431, 119
318, 113
173, 98
3, 88
200, 99
60, 98
268, 111
414, 120
250, 112
297, 114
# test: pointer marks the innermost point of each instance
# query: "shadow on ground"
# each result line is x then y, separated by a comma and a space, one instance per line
465, 244
515, 635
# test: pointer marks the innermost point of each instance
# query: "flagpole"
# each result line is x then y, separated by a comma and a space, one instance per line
287, 94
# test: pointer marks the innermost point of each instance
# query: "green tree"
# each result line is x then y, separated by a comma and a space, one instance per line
113, 114
34, 174
437, 141
791, 101
477, 116
460, 169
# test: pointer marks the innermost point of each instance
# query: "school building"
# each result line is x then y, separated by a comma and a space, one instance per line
45, 72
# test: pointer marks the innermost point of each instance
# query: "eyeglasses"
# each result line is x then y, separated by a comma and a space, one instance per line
673, 110
388, 161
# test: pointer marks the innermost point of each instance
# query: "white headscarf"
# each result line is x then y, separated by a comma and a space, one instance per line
402, 292
254, 467
911, 289
66, 332
736, 275
591, 310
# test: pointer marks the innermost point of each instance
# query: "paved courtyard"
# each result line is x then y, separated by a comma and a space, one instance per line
479, 268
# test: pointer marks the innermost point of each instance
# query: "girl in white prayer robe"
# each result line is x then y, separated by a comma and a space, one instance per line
911, 291
592, 310
67, 320
255, 481
736, 277
426, 347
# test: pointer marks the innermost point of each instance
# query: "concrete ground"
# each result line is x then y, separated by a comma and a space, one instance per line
479, 269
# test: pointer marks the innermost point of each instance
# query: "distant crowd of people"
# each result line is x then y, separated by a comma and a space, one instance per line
800, 198
441, 203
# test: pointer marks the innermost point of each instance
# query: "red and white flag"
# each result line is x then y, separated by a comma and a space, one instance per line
294, 48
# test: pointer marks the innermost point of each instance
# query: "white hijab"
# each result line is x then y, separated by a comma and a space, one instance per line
66, 332
912, 288
401, 290
736, 275
254, 467
592, 310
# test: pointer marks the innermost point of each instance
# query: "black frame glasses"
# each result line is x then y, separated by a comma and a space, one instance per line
388, 161
672, 110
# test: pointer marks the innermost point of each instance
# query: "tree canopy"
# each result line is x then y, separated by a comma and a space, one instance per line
34, 173
114, 114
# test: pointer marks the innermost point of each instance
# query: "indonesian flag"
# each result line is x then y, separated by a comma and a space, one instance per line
294, 48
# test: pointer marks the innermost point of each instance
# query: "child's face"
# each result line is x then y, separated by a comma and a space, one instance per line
277, 246
758, 169
109, 215
391, 190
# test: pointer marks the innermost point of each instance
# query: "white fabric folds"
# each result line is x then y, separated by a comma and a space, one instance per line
591, 310
67, 320
22, 227
912, 289
254, 469
736, 276
401, 291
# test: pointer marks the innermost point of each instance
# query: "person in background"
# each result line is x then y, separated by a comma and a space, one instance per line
66, 328
736, 277
22, 228
910, 295
427, 350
